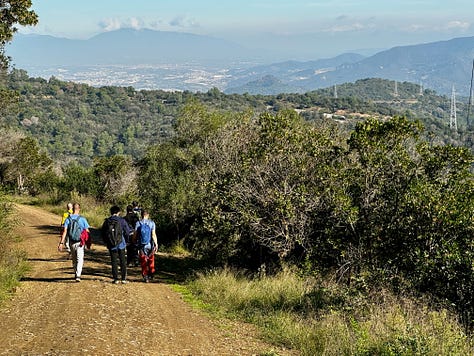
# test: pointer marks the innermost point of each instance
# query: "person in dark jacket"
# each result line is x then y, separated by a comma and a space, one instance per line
132, 248
117, 253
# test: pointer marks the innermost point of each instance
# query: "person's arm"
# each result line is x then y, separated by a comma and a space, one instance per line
62, 239
86, 224
153, 236
125, 229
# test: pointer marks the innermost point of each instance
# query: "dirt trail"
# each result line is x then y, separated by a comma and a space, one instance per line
50, 314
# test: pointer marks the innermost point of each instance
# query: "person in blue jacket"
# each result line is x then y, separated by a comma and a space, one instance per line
75, 222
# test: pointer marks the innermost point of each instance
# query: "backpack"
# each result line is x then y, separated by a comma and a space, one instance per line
144, 233
74, 229
131, 219
112, 232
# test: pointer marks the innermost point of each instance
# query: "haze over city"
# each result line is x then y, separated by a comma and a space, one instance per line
303, 28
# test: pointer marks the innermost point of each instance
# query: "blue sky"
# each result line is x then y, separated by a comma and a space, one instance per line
307, 28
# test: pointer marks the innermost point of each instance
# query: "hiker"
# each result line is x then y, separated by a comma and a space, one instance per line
132, 248
115, 233
145, 235
65, 216
137, 210
75, 226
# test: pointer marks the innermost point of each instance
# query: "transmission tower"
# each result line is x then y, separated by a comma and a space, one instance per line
453, 124
335, 91
421, 88
470, 98
395, 90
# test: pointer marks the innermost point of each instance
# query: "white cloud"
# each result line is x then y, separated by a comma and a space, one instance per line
112, 24
347, 27
449, 26
184, 22
457, 25
136, 23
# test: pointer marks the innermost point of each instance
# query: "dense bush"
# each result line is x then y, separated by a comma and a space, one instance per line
381, 205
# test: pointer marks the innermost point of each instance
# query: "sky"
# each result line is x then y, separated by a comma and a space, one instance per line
303, 28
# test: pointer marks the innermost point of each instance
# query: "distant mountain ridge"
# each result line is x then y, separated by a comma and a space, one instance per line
284, 73
437, 65
124, 47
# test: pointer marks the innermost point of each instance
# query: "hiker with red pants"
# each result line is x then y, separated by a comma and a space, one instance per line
145, 236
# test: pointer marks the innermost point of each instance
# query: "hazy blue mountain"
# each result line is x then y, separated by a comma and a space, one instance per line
125, 47
289, 71
267, 85
436, 65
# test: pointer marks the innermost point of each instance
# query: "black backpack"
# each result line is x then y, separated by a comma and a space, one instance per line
131, 219
112, 232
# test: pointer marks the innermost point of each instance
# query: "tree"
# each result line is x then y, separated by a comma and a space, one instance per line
12, 13
22, 162
117, 178
267, 183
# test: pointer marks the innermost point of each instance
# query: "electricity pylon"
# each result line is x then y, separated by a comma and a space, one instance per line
453, 122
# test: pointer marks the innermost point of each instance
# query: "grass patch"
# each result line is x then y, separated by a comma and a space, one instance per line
13, 264
310, 316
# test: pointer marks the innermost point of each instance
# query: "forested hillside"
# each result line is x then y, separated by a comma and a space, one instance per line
78, 122
351, 188
358, 199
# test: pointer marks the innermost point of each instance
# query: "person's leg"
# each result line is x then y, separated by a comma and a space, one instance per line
136, 259
132, 256
74, 258
129, 254
77, 254
151, 264
144, 264
80, 259
113, 259
123, 264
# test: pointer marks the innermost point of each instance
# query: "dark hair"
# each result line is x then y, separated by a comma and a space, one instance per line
75, 207
114, 210
129, 208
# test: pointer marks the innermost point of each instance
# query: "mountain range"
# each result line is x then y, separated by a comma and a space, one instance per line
439, 66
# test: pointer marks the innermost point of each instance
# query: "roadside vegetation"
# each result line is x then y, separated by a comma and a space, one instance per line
12, 260
322, 317
347, 239
350, 237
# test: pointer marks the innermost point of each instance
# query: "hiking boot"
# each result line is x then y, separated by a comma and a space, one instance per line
124, 281
115, 281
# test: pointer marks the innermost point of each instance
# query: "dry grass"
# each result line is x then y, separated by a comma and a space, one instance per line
300, 313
